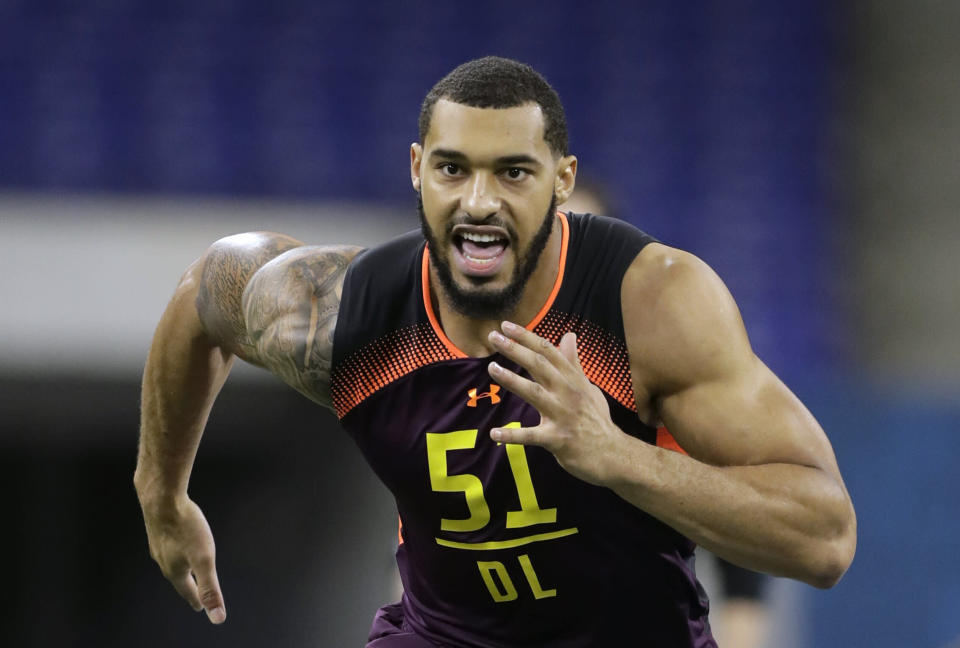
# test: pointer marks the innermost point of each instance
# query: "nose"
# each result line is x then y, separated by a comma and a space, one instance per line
480, 199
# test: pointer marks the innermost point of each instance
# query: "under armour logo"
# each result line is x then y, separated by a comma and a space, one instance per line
492, 395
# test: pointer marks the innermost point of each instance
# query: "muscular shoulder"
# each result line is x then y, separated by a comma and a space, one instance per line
290, 309
681, 323
225, 270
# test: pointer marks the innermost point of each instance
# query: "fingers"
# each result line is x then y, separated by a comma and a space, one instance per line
553, 368
532, 352
200, 587
568, 349
532, 392
187, 588
208, 586
513, 433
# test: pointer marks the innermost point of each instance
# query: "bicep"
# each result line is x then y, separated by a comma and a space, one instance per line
748, 417
690, 354
225, 270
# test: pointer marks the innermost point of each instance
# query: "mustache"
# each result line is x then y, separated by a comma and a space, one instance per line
467, 219
462, 218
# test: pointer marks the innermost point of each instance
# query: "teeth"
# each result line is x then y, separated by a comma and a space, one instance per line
481, 238
479, 261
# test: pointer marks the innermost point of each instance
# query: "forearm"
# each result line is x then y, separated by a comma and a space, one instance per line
784, 519
183, 375
201, 331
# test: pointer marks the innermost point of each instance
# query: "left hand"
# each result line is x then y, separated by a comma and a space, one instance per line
575, 424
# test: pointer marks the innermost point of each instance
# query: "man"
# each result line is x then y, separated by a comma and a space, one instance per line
505, 379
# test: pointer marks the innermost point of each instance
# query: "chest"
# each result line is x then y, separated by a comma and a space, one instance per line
435, 423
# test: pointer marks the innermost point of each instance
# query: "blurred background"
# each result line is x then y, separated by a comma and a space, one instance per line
809, 151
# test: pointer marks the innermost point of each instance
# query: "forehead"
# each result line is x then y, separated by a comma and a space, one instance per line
487, 132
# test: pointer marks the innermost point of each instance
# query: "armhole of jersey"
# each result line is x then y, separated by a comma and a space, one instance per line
663, 438
343, 314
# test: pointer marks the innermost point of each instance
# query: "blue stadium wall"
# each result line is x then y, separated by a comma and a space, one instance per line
712, 125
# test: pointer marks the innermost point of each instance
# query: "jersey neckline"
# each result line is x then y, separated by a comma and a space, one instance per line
428, 303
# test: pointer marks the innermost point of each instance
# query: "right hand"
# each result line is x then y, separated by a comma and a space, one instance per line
182, 544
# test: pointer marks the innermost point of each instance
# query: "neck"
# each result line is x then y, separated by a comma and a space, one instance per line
470, 334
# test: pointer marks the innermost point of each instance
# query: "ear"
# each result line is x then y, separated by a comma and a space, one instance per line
416, 156
566, 178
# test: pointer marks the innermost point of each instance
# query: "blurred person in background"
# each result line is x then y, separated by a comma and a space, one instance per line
739, 616
537, 507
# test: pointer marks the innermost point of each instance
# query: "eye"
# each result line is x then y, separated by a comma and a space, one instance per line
516, 173
450, 169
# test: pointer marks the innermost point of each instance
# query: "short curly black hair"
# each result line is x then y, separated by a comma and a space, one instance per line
495, 82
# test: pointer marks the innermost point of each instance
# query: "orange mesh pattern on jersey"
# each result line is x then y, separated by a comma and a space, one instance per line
383, 361
603, 357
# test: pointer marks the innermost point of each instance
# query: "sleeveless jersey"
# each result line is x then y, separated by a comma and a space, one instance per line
501, 547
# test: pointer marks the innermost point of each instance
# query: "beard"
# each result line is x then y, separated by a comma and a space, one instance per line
478, 302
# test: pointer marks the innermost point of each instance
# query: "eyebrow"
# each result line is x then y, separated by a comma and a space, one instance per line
519, 158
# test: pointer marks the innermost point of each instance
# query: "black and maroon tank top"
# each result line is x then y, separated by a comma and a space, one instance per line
501, 547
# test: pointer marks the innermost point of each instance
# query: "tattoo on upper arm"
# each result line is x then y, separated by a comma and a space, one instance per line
227, 268
291, 310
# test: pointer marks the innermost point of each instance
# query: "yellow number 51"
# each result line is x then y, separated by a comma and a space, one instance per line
530, 513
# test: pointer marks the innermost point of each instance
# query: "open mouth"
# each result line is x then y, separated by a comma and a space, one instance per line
480, 248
